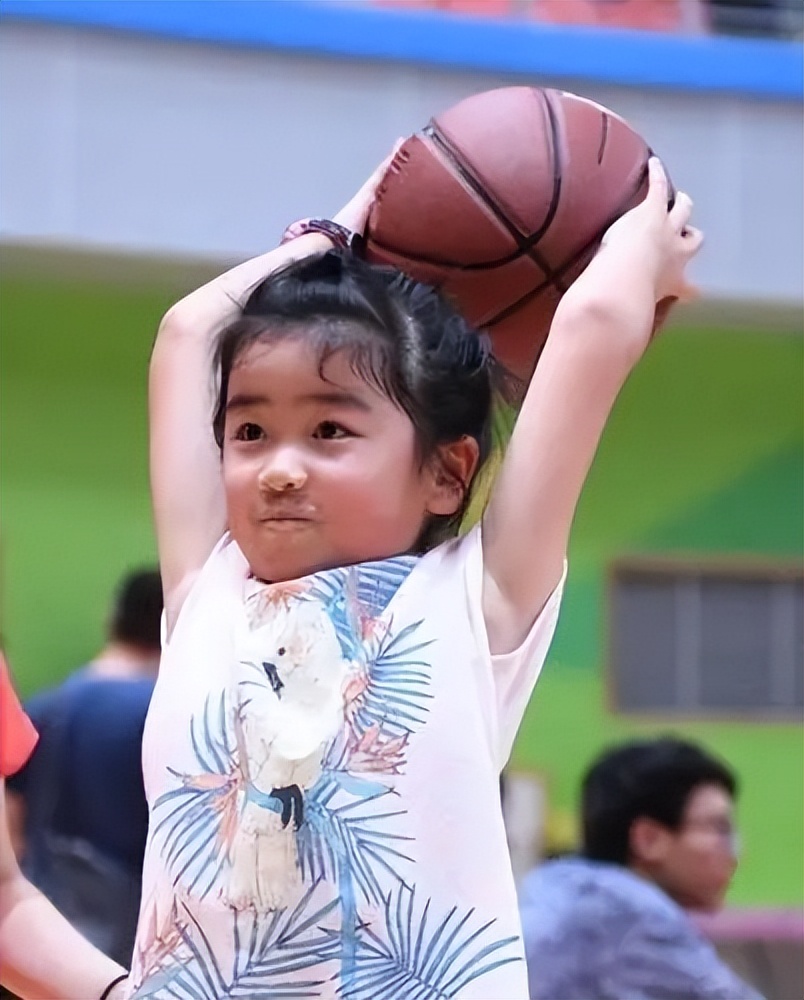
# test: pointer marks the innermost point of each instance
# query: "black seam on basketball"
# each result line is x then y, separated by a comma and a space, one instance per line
561, 271
525, 244
443, 262
464, 171
555, 277
604, 134
558, 168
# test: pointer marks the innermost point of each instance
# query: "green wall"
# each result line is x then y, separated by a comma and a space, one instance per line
703, 453
73, 465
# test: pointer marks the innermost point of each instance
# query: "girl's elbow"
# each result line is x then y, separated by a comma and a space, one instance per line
175, 330
171, 323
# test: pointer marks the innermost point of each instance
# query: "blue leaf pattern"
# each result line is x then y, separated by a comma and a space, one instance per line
423, 957
267, 951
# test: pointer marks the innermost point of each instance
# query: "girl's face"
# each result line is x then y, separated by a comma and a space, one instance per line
320, 472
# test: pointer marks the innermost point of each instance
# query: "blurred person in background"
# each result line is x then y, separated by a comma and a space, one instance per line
41, 956
658, 840
77, 810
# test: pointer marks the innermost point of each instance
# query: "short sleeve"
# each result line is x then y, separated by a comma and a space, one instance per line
17, 734
515, 673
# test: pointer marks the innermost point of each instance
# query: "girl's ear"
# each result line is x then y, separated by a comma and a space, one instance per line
453, 466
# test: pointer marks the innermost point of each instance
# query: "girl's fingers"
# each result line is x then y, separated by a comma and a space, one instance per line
382, 169
693, 239
379, 173
355, 213
373, 182
681, 211
657, 181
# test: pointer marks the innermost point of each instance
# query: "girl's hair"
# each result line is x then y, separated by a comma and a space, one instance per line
400, 336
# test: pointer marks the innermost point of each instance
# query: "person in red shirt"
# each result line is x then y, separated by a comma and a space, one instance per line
43, 957
17, 734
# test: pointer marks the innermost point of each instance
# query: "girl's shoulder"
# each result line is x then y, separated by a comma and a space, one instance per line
466, 548
223, 573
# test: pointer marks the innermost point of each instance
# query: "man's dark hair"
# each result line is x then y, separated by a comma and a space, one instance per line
399, 335
652, 778
137, 610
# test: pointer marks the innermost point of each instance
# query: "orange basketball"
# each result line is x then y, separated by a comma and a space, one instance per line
502, 201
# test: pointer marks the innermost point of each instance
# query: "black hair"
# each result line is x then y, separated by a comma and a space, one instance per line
137, 610
651, 778
400, 335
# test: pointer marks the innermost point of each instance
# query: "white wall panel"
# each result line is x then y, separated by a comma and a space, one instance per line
110, 140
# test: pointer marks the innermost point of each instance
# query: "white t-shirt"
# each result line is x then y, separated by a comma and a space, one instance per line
321, 762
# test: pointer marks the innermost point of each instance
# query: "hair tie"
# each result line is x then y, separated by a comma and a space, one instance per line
115, 982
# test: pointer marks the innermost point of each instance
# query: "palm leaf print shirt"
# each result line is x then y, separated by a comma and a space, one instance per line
321, 762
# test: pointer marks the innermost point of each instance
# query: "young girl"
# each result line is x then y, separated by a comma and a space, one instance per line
339, 691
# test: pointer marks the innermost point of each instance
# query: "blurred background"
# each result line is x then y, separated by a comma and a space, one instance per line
147, 145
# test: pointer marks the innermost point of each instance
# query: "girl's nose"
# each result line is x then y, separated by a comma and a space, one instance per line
282, 477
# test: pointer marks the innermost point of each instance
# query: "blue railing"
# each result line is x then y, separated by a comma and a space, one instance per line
753, 67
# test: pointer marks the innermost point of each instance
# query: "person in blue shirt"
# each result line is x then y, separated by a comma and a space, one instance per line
658, 840
77, 810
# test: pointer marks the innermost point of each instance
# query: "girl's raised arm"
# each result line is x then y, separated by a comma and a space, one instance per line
600, 330
186, 484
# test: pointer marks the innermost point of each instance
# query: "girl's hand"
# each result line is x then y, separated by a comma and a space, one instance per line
355, 212
660, 241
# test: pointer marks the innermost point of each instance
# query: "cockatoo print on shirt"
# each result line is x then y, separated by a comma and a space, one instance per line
290, 709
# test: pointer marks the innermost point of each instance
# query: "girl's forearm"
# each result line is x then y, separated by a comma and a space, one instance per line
613, 301
43, 956
219, 301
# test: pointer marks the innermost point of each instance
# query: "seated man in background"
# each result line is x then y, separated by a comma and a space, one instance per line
77, 811
658, 839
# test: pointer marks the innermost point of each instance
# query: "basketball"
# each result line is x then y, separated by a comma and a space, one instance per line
502, 201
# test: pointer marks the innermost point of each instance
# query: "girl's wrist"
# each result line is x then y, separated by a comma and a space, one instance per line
339, 235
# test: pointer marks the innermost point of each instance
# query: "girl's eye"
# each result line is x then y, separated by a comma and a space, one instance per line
248, 432
328, 430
